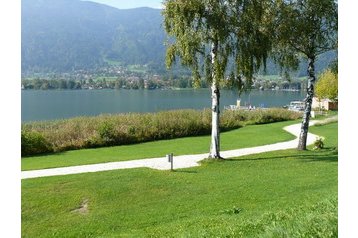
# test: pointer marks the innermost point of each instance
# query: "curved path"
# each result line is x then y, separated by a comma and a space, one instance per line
182, 161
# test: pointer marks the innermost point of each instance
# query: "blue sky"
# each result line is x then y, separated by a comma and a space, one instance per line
125, 4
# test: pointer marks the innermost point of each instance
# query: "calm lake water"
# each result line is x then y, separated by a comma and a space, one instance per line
56, 104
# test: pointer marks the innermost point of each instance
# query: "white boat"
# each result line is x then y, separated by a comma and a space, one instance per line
297, 106
239, 107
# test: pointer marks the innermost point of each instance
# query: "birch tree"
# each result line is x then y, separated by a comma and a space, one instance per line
208, 34
305, 28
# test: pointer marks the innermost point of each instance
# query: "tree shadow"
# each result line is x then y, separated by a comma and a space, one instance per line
326, 155
44, 155
185, 171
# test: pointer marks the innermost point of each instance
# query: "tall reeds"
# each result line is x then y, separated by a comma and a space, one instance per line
130, 128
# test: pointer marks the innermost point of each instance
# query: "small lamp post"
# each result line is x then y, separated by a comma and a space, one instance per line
170, 160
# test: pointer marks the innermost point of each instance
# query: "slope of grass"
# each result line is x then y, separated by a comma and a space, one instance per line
278, 194
240, 138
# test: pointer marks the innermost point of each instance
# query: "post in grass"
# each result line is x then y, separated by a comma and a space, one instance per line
170, 160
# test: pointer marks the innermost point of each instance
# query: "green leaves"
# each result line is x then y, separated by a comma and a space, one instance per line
170, 57
306, 27
237, 28
33, 142
327, 85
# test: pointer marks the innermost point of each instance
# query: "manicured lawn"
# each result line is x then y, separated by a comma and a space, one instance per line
278, 194
247, 136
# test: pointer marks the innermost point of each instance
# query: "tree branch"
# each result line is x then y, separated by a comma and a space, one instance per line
298, 48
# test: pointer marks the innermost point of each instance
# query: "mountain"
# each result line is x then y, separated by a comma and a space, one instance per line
67, 35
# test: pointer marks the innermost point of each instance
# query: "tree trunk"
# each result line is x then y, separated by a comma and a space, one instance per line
308, 105
215, 114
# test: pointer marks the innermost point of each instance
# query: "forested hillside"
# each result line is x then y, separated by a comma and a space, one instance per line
67, 35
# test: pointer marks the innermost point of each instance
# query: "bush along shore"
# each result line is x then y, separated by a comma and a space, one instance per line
120, 129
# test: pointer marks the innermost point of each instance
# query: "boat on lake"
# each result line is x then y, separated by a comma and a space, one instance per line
246, 107
297, 106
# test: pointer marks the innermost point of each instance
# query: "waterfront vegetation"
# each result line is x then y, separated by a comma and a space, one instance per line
131, 128
285, 193
248, 136
148, 81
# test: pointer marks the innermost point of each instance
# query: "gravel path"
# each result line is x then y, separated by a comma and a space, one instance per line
182, 161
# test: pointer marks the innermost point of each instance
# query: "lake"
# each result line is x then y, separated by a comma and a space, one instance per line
56, 104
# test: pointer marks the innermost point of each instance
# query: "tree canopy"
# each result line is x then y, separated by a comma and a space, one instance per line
304, 27
308, 28
327, 85
208, 34
236, 26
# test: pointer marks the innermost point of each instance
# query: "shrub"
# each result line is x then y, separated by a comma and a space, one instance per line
93, 142
33, 143
107, 133
318, 144
239, 118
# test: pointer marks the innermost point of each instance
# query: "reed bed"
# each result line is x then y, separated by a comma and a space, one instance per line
131, 128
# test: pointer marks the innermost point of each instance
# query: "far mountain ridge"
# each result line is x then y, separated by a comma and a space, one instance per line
66, 35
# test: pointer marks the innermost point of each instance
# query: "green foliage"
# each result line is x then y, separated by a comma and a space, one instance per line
106, 131
318, 144
308, 28
304, 27
96, 35
327, 85
208, 34
121, 129
243, 137
33, 143
122, 37
333, 66
258, 116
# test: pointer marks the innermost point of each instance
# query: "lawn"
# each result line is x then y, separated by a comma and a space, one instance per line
278, 194
247, 136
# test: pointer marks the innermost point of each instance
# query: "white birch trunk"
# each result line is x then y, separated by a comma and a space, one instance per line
215, 114
308, 106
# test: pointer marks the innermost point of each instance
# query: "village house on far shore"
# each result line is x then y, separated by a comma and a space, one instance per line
325, 104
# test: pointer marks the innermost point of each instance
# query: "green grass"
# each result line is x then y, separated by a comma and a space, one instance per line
247, 136
331, 140
278, 194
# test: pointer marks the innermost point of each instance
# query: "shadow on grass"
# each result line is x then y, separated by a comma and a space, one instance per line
185, 171
43, 155
326, 155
